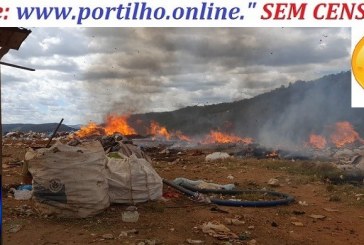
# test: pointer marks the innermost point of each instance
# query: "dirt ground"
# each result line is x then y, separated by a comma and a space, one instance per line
178, 218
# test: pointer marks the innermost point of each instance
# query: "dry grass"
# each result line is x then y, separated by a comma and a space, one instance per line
317, 170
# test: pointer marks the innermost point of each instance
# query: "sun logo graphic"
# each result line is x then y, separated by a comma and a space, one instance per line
357, 62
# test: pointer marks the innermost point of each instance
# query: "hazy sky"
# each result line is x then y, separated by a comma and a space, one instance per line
83, 74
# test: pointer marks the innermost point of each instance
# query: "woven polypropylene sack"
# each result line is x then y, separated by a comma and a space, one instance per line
133, 180
69, 181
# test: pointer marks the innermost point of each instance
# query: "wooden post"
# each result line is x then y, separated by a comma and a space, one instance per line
54, 133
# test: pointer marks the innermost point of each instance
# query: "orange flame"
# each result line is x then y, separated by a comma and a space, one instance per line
114, 124
273, 154
344, 134
118, 124
317, 141
89, 130
159, 131
219, 137
181, 136
162, 132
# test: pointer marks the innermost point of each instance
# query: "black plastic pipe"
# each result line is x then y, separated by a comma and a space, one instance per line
193, 191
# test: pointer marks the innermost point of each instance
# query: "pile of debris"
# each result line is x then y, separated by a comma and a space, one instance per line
25, 136
82, 177
353, 164
21, 136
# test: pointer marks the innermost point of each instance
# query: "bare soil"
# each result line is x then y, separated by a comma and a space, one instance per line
178, 219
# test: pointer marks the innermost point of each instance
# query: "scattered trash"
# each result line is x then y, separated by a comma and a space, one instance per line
303, 203
123, 176
170, 194
127, 233
150, 242
190, 241
15, 228
21, 194
331, 210
24, 187
252, 242
24, 210
196, 193
16, 163
217, 230
217, 156
231, 221
244, 236
29, 135
130, 215
343, 154
317, 216
251, 227
108, 236
273, 182
199, 197
217, 209
230, 177
202, 184
296, 223
164, 151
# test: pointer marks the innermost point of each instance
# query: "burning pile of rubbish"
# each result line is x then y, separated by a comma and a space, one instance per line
115, 146
156, 132
338, 142
339, 136
83, 172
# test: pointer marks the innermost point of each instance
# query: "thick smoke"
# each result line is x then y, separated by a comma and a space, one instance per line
142, 70
309, 107
159, 69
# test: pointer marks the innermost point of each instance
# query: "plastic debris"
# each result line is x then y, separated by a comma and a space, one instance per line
296, 223
331, 210
252, 242
130, 214
21, 194
317, 216
230, 177
25, 187
273, 182
217, 230
127, 233
15, 228
190, 241
231, 221
217, 156
108, 236
202, 184
303, 203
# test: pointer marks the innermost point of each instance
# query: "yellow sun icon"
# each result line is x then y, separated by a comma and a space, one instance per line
357, 62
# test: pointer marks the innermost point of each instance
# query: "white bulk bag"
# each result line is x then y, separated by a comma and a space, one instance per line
70, 180
132, 180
